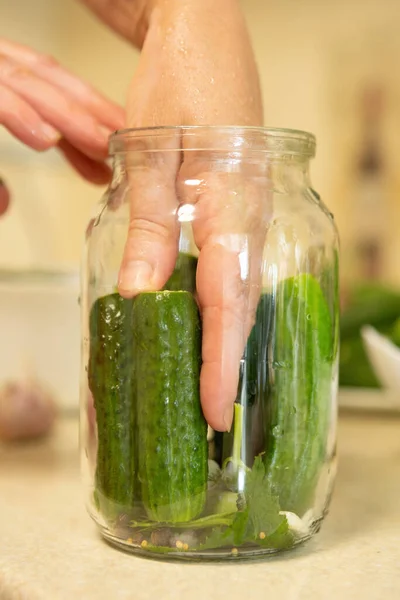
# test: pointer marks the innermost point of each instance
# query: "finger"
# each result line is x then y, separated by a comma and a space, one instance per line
106, 112
24, 123
95, 172
57, 109
4, 197
229, 229
223, 300
152, 244
228, 286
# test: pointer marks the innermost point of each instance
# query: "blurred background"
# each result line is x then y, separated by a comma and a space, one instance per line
327, 66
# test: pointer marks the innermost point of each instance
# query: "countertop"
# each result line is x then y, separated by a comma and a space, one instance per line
50, 549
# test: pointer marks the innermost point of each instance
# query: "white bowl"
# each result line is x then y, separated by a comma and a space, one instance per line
384, 357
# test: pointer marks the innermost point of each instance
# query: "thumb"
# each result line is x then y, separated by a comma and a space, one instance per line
152, 243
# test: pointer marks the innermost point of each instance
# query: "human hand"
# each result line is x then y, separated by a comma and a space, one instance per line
197, 68
44, 106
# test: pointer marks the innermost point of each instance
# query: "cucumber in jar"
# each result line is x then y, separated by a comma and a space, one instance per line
111, 382
183, 277
172, 431
303, 355
144, 374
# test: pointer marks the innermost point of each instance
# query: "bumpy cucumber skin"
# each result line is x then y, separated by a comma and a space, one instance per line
304, 350
110, 376
172, 431
183, 277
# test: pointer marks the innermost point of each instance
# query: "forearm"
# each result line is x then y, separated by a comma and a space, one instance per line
132, 18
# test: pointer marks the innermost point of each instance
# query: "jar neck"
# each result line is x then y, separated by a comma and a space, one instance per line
278, 157
243, 140
280, 174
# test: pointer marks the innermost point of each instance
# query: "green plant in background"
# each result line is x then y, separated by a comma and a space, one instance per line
371, 304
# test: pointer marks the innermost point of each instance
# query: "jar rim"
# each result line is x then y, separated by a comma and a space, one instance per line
269, 140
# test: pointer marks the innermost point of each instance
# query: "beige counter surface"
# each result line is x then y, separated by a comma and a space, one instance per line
50, 550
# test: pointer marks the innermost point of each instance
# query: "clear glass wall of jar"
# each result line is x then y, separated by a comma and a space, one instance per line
160, 480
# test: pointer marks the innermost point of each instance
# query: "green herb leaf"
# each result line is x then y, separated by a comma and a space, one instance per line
260, 515
220, 536
281, 539
263, 506
220, 519
240, 527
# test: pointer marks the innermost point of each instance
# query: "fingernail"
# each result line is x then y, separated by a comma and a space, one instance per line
50, 133
228, 418
135, 276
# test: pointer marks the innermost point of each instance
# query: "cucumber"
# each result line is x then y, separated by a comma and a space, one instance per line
183, 277
303, 355
258, 357
110, 376
256, 353
172, 431
254, 385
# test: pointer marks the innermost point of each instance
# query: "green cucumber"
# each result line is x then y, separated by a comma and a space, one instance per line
110, 376
172, 431
253, 389
256, 353
183, 277
303, 355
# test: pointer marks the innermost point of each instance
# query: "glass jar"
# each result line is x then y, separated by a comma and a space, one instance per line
249, 286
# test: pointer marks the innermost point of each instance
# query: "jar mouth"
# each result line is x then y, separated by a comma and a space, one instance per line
239, 139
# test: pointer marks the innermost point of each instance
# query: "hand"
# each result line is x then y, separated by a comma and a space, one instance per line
44, 105
4, 197
197, 67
